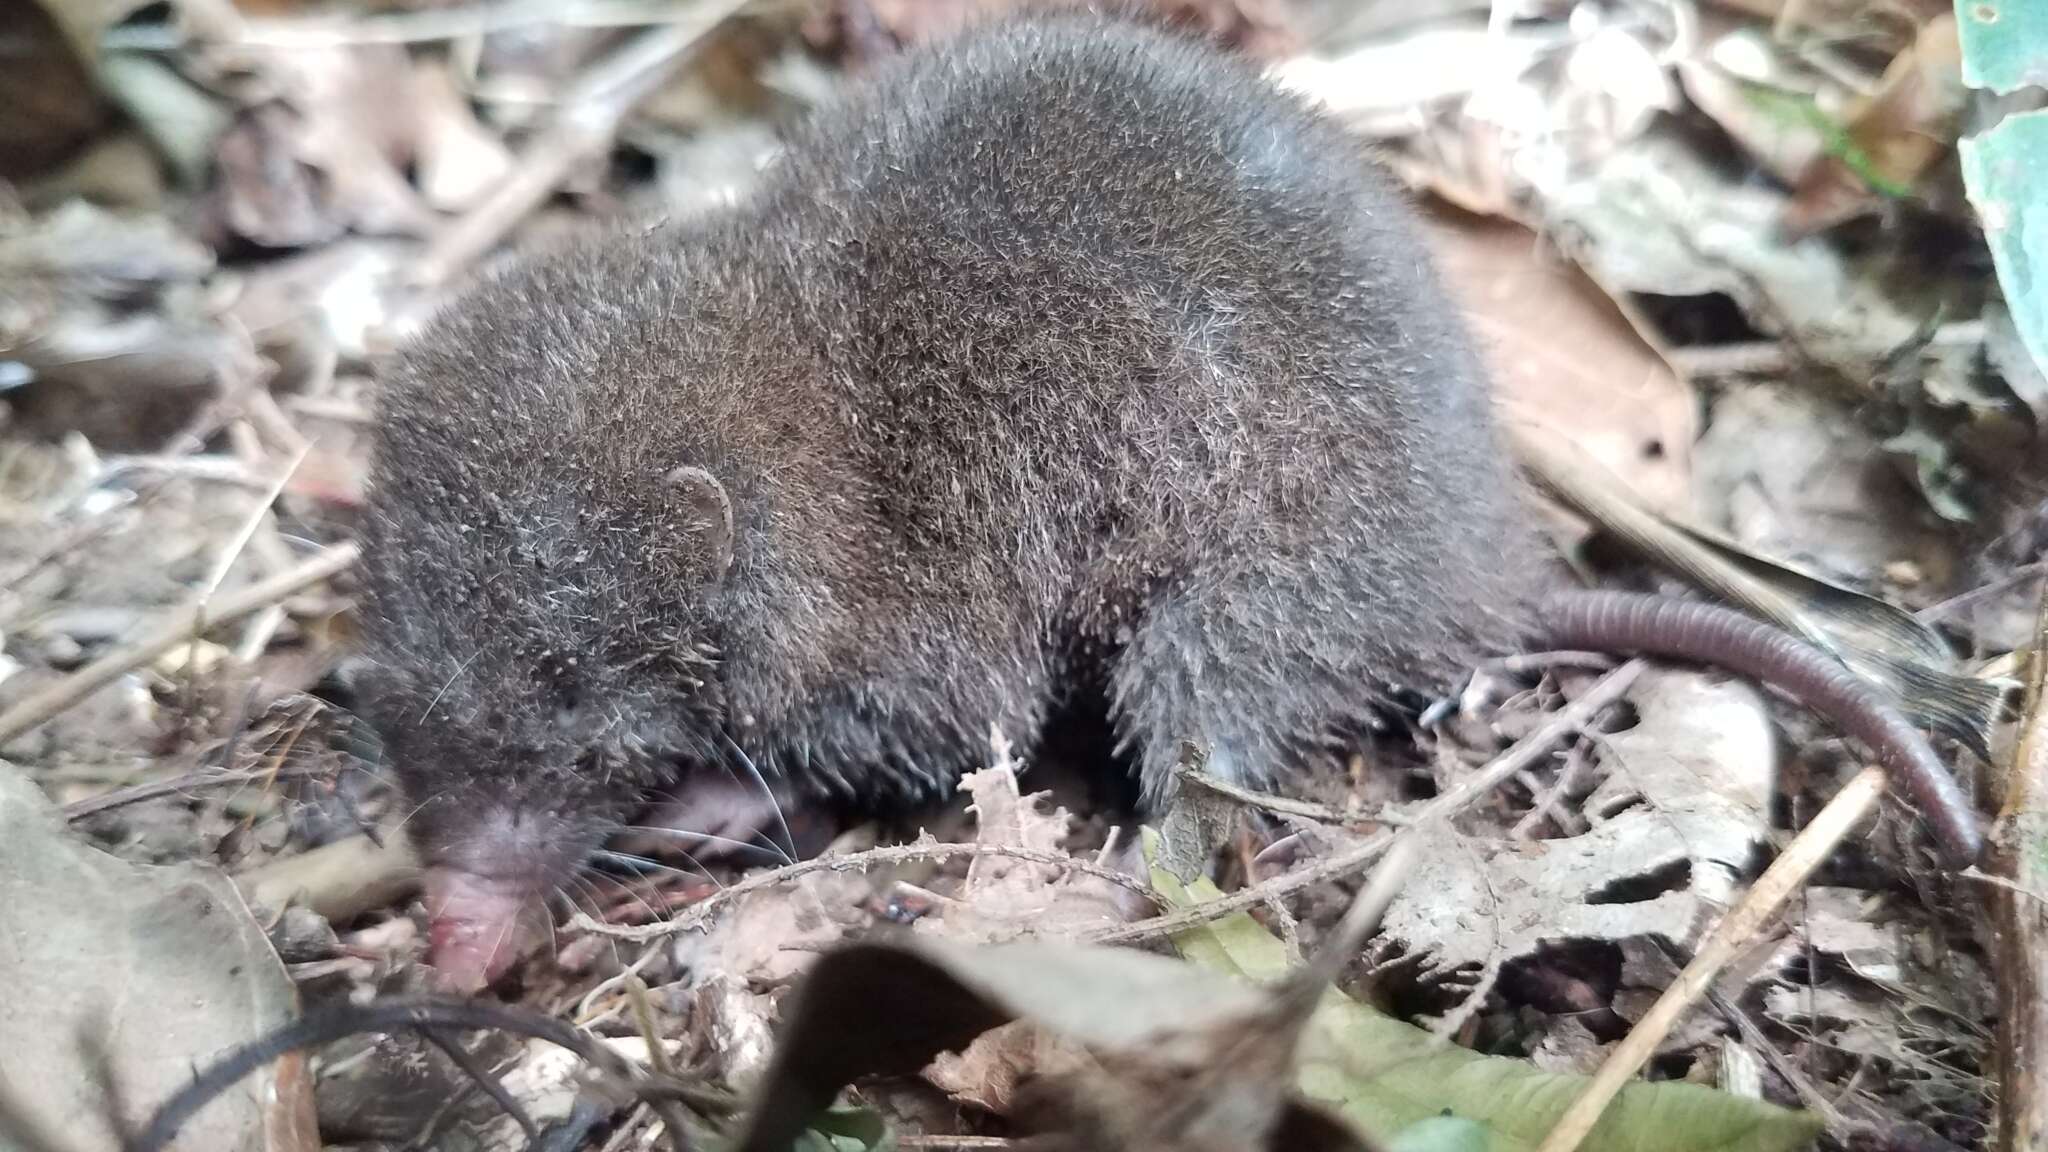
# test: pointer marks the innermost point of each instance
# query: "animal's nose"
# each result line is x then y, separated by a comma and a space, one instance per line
477, 926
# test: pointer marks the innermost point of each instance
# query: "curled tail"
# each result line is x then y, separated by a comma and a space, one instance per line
1722, 637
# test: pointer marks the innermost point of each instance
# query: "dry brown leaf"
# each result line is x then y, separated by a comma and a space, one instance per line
868, 28
49, 107
459, 160
990, 1072
324, 152
772, 935
119, 981
1901, 131
1788, 474
1004, 897
1564, 357
1689, 785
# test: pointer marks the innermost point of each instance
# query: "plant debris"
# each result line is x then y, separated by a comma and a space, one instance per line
1766, 265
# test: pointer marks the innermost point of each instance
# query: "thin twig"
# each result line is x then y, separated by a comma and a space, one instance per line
41, 706
1282, 805
179, 785
1363, 917
225, 563
697, 914
2012, 578
1807, 851
1550, 798
1568, 721
583, 127
2019, 846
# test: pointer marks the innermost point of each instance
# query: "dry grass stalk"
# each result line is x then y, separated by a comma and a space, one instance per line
41, 706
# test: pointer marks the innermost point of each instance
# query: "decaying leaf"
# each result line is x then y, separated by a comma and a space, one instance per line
1564, 358
1004, 897
1687, 792
1724, 81
459, 162
1655, 217
1889, 140
1386, 1076
324, 153
120, 980
1152, 1053
1783, 472
48, 105
869, 27
106, 319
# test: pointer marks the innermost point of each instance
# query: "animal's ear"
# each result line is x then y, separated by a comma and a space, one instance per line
703, 500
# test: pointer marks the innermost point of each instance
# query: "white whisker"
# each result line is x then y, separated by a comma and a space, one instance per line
788, 840
773, 851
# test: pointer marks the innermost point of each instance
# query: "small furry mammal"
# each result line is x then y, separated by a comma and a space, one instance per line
1066, 364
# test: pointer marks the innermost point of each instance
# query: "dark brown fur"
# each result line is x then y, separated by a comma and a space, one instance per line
1065, 358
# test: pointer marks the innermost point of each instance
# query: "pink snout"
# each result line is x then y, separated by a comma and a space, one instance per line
477, 927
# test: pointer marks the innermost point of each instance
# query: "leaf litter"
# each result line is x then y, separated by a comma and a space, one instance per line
1693, 240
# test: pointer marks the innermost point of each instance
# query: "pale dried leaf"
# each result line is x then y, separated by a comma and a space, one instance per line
546, 1078
1005, 898
989, 1072
1564, 358
460, 162
122, 979
1656, 217
1479, 904
1695, 774
771, 935
1786, 473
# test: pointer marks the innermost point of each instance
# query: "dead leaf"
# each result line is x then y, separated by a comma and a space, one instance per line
770, 936
49, 106
1788, 474
991, 1072
1152, 1053
1392, 86
1005, 898
1564, 358
1687, 788
1724, 81
122, 979
865, 29
459, 160
1656, 217
324, 151
1891, 139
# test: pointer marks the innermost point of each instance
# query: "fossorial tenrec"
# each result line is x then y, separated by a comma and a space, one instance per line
1066, 369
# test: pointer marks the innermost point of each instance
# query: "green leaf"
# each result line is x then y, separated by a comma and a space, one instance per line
2005, 43
1793, 108
1440, 1134
1388, 1077
2005, 170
